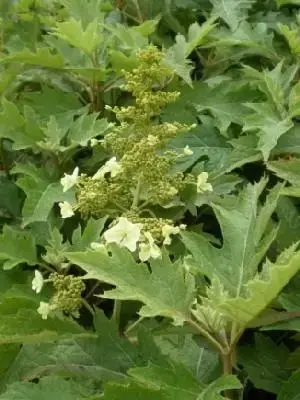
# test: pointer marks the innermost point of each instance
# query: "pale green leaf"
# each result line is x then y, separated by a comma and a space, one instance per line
147, 27
175, 58
268, 124
106, 356
180, 384
248, 39
281, 3
220, 156
86, 127
130, 38
165, 291
197, 34
86, 12
22, 130
272, 83
21, 323
41, 193
288, 170
245, 239
233, 12
50, 102
294, 101
82, 239
289, 142
42, 57
121, 61
224, 102
17, 247
85, 39
48, 388
292, 37
203, 362
263, 289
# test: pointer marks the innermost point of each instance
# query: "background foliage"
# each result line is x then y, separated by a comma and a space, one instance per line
218, 316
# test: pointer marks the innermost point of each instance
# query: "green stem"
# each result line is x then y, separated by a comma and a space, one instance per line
208, 336
117, 312
92, 290
135, 201
95, 85
130, 16
87, 306
139, 13
47, 267
227, 370
133, 325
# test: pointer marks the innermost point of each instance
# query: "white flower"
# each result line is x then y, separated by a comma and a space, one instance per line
112, 166
149, 249
66, 210
202, 185
45, 309
167, 231
188, 151
124, 233
37, 281
68, 181
94, 142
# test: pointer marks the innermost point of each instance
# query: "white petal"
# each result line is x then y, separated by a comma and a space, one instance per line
188, 151
167, 231
100, 173
202, 184
44, 309
149, 249
38, 281
68, 181
66, 209
94, 142
144, 253
124, 233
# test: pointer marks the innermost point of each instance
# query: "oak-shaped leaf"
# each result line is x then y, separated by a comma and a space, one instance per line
17, 247
167, 290
41, 192
157, 383
48, 388
246, 238
233, 12
260, 291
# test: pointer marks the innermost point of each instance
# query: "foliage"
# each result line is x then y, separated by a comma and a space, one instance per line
149, 212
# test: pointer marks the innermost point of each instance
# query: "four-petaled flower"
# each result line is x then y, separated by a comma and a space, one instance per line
37, 281
188, 151
124, 233
66, 210
202, 185
68, 181
167, 231
149, 249
112, 166
45, 309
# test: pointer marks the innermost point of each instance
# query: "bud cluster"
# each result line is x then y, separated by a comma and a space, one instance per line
68, 288
139, 142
